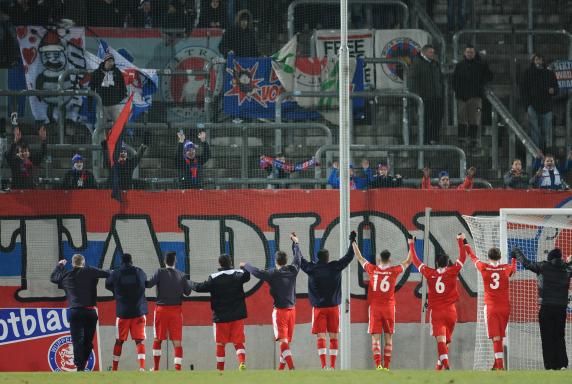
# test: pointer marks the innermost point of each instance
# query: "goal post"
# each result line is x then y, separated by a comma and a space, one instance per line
535, 231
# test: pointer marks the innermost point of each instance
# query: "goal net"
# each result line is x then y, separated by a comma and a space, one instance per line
535, 232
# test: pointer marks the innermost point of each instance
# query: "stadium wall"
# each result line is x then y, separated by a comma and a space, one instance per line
40, 227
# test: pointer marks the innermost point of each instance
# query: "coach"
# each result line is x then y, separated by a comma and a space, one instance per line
80, 285
553, 282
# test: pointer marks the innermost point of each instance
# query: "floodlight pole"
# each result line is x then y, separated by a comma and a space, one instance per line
344, 103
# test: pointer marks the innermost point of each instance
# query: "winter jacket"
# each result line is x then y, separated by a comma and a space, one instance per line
516, 182
553, 279
470, 77
551, 178
22, 171
425, 79
190, 170
534, 87
79, 283
325, 280
385, 182
211, 15
83, 179
171, 284
110, 95
128, 286
241, 41
227, 294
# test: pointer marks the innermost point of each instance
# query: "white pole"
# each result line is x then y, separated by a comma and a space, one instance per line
422, 336
344, 66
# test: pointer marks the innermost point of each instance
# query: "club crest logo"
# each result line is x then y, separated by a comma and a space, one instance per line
60, 356
402, 48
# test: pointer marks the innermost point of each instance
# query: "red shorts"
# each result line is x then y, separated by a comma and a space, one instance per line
168, 322
381, 319
326, 319
229, 332
443, 321
283, 322
134, 326
496, 320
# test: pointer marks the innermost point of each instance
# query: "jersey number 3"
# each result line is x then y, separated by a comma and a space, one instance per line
495, 277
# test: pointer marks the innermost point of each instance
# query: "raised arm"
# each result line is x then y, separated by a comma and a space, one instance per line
109, 282
413, 253
297, 260
530, 265
349, 256
58, 273
405, 263
358, 254
461, 241
258, 273
512, 267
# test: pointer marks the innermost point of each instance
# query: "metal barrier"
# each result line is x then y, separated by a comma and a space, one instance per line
296, 3
407, 148
367, 94
516, 129
245, 127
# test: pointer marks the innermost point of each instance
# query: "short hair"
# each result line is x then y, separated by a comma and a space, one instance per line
385, 255
281, 258
126, 258
323, 255
224, 261
549, 155
469, 46
494, 254
442, 260
171, 258
517, 159
78, 260
427, 47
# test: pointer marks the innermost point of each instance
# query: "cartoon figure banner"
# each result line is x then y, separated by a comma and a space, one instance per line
43, 336
46, 54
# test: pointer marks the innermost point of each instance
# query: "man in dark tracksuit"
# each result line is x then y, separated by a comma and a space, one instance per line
80, 285
553, 282
282, 282
128, 286
229, 308
171, 285
325, 292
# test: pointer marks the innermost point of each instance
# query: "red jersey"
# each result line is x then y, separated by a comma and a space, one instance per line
442, 282
382, 280
495, 280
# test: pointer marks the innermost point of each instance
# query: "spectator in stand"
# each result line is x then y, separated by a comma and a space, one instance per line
104, 13
548, 175
445, 182
538, 86
384, 180
22, 12
189, 162
275, 172
145, 17
78, 177
334, 178
213, 15
426, 81
516, 177
108, 82
365, 173
22, 162
469, 78
240, 38
126, 164
173, 17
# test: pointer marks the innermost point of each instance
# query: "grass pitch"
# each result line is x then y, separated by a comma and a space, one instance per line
297, 377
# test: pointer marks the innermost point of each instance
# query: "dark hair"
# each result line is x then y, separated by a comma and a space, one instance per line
126, 258
385, 255
469, 46
281, 258
323, 255
426, 47
549, 155
494, 254
171, 258
224, 261
442, 260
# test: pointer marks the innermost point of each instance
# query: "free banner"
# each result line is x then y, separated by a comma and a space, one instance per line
360, 44
403, 44
39, 340
250, 225
46, 54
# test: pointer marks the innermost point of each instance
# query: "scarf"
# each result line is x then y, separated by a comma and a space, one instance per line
26, 167
546, 180
267, 161
108, 79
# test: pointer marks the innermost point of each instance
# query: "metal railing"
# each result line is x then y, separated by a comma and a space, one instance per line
515, 130
367, 94
246, 127
397, 148
292, 8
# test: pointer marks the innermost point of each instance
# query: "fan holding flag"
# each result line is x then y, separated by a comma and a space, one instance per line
108, 82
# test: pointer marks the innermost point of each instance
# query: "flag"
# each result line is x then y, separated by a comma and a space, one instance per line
114, 142
284, 63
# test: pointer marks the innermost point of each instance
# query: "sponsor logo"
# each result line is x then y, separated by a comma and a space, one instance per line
60, 356
21, 324
187, 93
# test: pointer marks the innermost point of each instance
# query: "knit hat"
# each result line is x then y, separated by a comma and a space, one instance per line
108, 56
188, 145
381, 165
556, 253
443, 174
77, 157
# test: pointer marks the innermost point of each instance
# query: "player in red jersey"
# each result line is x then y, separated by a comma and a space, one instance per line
497, 304
381, 297
442, 295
